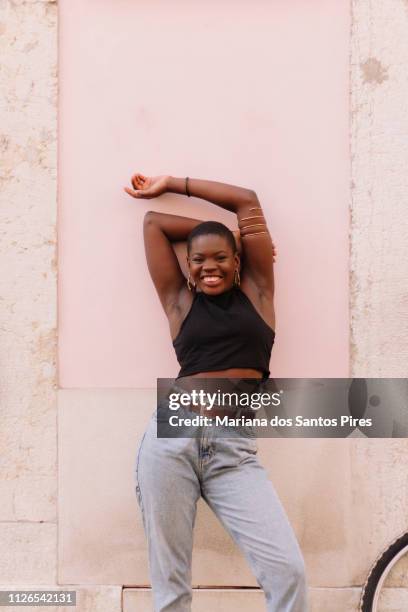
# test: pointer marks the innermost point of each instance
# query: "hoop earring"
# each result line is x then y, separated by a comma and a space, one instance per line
190, 285
237, 278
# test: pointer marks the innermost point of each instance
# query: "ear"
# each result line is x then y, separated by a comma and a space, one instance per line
237, 260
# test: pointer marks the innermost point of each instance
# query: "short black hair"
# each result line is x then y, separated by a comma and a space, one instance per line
208, 228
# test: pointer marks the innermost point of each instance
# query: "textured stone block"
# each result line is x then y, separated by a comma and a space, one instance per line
28, 553
335, 600
393, 600
28, 290
377, 513
379, 228
29, 497
99, 598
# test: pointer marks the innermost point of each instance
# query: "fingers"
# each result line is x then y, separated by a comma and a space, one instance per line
135, 193
135, 180
131, 192
139, 181
141, 195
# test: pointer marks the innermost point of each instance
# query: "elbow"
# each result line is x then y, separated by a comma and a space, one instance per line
149, 218
251, 196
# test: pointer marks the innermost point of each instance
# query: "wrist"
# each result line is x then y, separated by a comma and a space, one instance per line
168, 183
176, 185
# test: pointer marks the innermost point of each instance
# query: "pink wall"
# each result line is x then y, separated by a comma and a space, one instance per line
249, 93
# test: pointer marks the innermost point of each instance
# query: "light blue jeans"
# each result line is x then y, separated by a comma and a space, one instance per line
172, 473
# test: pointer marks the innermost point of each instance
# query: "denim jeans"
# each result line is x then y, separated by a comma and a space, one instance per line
172, 473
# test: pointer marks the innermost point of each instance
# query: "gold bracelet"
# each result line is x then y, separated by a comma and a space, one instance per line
253, 234
253, 217
256, 208
254, 225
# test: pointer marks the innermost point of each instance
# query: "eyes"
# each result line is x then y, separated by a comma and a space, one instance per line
198, 260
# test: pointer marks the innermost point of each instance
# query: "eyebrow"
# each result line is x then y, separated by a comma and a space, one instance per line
216, 253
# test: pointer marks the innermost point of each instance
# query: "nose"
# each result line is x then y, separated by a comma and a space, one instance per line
209, 267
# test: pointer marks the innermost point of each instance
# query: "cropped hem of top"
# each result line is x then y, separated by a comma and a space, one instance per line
221, 332
265, 374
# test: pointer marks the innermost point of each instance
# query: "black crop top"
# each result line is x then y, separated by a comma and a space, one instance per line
221, 332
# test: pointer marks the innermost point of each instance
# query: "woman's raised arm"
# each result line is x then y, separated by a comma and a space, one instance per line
257, 246
227, 196
160, 230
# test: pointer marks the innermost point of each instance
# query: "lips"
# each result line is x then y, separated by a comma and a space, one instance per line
211, 279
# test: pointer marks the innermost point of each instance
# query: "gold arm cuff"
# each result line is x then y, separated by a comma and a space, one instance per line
254, 225
253, 217
253, 234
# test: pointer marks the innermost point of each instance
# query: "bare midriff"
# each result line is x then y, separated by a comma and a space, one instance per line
230, 373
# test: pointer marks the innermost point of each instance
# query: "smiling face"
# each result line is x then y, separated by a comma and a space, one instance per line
212, 263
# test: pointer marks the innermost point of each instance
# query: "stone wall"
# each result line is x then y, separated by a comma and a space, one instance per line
28, 304
28, 288
379, 188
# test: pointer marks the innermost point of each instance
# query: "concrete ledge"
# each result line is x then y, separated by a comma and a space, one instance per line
236, 600
242, 600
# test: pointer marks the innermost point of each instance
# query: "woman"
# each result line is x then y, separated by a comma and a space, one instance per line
221, 322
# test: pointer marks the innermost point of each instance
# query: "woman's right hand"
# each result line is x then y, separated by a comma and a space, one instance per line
147, 187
